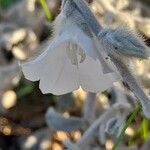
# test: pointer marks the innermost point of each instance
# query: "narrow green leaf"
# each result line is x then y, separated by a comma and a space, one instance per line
46, 10
145, 129
129, 121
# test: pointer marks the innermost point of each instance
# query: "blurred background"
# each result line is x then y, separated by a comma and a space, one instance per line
24, 29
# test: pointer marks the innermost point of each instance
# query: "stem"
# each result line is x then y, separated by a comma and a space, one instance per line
129, 121
89, 108
133, 84
46, 10
88, 16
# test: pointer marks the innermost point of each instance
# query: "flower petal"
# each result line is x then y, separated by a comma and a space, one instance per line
92, 47
92, 78
58, 75
31, 66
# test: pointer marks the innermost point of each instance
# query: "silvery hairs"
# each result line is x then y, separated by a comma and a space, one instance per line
89, 17
121, 45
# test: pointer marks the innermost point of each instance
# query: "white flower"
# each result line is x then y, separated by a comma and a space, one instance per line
71, 59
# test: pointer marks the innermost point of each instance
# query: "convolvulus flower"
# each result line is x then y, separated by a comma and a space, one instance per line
72, 58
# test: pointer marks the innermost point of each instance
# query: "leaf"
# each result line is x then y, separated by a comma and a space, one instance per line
127, 43
112, 126
56, 121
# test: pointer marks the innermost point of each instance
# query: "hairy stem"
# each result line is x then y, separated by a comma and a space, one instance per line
133, 85
89, 108
88, 15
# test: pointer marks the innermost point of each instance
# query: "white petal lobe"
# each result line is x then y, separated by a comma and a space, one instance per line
58, 76
92, 78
